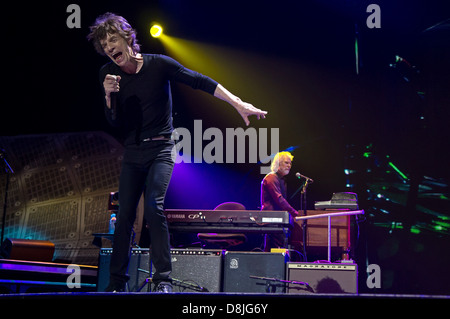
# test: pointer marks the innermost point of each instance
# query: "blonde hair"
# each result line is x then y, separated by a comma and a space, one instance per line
276, 160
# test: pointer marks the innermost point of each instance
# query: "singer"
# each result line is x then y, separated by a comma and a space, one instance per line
273, 194
138, 99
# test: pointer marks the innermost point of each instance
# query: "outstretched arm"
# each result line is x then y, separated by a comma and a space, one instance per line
244, 109
179, 73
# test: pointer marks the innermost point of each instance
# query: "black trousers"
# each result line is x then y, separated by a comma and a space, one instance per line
146, 168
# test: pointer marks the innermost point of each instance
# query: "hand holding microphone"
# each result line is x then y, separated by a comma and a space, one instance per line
111, 83
111, 86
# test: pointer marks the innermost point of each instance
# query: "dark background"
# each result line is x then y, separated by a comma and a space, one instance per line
305, 77
295, 59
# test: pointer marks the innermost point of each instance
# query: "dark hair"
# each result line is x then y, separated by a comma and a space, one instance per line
110, 23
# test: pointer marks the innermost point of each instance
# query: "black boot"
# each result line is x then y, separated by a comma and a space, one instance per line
163, 287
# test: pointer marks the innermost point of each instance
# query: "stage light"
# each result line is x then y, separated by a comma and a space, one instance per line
398, 171
156, 30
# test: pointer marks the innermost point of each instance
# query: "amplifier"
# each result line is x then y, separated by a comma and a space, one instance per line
138, 268
197, 270
246, 271
322, 278
192, 269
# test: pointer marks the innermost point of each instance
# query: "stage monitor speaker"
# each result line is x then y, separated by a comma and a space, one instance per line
27, 249
197, 270
322, 278
240, 266
138, 269
192, 270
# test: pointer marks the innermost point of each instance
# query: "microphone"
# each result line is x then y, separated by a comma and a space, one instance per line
298, 175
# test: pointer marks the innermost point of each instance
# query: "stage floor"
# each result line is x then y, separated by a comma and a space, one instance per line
220, 297
214, 295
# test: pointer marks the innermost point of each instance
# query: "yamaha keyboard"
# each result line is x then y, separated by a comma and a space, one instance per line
230, 221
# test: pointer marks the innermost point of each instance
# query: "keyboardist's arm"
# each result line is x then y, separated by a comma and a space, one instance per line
272, 186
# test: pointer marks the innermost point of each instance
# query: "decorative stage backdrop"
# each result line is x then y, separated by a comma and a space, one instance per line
60, 190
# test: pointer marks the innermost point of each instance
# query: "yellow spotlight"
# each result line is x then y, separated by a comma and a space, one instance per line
156, 30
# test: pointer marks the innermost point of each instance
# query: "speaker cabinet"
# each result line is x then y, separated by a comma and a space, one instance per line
322, 278
197, 270
239, 266
192, 269
60, 190
138, 269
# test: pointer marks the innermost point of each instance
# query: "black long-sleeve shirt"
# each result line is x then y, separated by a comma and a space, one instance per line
144, 102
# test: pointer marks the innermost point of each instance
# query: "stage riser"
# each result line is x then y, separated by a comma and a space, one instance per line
18, 276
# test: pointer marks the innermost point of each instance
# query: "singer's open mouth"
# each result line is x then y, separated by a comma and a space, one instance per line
117, 56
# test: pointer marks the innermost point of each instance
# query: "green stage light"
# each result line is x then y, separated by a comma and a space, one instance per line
398, 171
156, 30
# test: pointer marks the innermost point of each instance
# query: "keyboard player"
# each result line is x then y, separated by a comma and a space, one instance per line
273, 194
